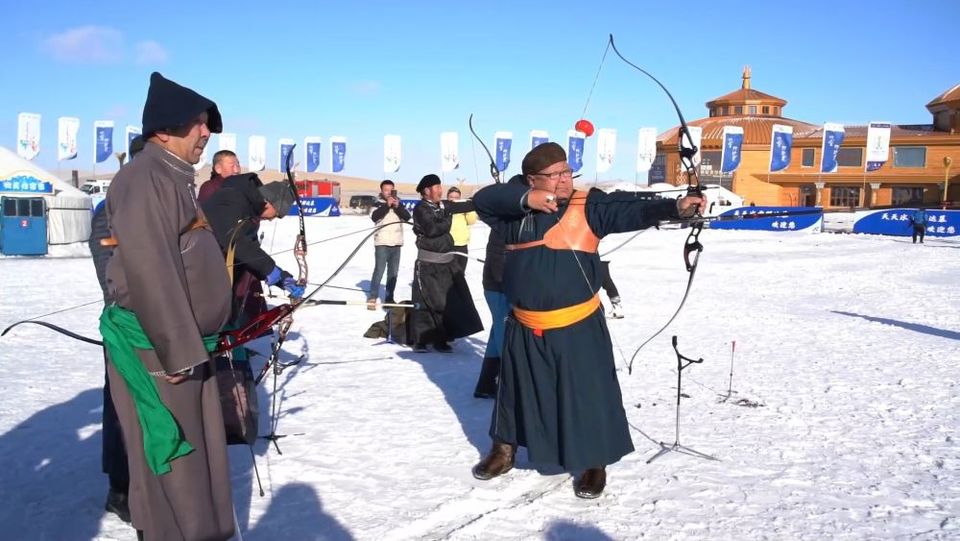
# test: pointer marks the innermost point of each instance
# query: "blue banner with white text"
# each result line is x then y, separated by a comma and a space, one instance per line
313, 157
503, 153
575, 152
771, 219
780, 150
317, 206
899, 222
339, 155
832, 139
104, 142
732, 143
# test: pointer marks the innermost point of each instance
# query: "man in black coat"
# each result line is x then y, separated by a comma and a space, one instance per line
234, 212
446, 309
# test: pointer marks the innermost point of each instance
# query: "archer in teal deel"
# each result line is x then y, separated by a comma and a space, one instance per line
163, 440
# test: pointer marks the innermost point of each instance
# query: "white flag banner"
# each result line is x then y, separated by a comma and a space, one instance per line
646, 149
391, 153
606, 148
28, 135
257, 153
67, 129
449, 151
131, 133
696, 133
228, 141
878, 145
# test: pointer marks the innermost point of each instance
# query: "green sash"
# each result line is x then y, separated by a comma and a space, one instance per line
162, 439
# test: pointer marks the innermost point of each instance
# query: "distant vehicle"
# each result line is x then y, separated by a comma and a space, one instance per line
362, 202
319, 188
94, 187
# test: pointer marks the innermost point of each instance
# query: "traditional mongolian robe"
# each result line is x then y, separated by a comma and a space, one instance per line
446, 307
559, 396
167, 269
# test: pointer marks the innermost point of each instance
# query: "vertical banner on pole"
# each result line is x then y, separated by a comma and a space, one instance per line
228, 141
338, 153
503, 140
284, 148
878, 145
311, 149
606, 149
67, 129
391, 153
575, 141
732, 145
131, 133
28, 135
103, 139
538, 137
646, 148
832, 139
257, 153
449, 151
781, 142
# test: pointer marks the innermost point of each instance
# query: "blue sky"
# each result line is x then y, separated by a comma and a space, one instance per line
363, 69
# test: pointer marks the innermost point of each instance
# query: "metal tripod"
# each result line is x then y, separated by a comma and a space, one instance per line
682, 362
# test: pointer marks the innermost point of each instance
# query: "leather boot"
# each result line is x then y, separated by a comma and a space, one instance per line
498, 462
487, 382
591, 483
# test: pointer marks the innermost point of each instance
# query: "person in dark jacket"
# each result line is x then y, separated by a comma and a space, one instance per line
225, 165
234, 212
919, 222
558, 394
113, 456
499, 308
445, 307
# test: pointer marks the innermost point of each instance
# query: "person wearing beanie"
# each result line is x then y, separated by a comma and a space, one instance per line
558, 394
387, 242
225, 164
460, 229
445, 307
170, 296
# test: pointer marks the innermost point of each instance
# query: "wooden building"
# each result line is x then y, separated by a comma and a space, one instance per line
923, 165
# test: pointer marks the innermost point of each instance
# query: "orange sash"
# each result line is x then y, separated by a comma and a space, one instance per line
540, 321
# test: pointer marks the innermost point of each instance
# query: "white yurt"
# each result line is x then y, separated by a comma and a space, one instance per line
69, 209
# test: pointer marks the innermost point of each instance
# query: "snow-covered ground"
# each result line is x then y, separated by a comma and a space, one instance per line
843, 423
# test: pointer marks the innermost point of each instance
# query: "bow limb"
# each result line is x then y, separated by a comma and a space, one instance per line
692, 244
494, 170
56, 328
300, 246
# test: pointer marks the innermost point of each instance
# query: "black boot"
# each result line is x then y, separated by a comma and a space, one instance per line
591, 483
117, 504
497, 462
487, 382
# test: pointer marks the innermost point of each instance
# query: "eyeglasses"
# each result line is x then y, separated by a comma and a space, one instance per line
566, 173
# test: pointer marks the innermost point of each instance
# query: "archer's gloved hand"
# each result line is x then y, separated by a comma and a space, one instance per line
291, 286
278, 276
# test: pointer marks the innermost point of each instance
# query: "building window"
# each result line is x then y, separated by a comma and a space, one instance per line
738, 110
776, 111
766, 109
844, 196
808, 156
752, 109
909, 156
723, 111
850, 157
903, 196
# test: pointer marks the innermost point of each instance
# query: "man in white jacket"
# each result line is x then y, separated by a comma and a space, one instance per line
387, 242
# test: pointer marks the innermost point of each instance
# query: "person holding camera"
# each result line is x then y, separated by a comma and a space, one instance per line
388, 240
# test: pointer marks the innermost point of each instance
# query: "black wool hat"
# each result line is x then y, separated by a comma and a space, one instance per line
170, 106
543, 156
427, 181
279, 195
136, 145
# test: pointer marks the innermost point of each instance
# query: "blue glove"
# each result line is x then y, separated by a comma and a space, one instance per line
292, 287
277, 276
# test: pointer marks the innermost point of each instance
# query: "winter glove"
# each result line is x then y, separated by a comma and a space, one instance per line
277, 277
292, 287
